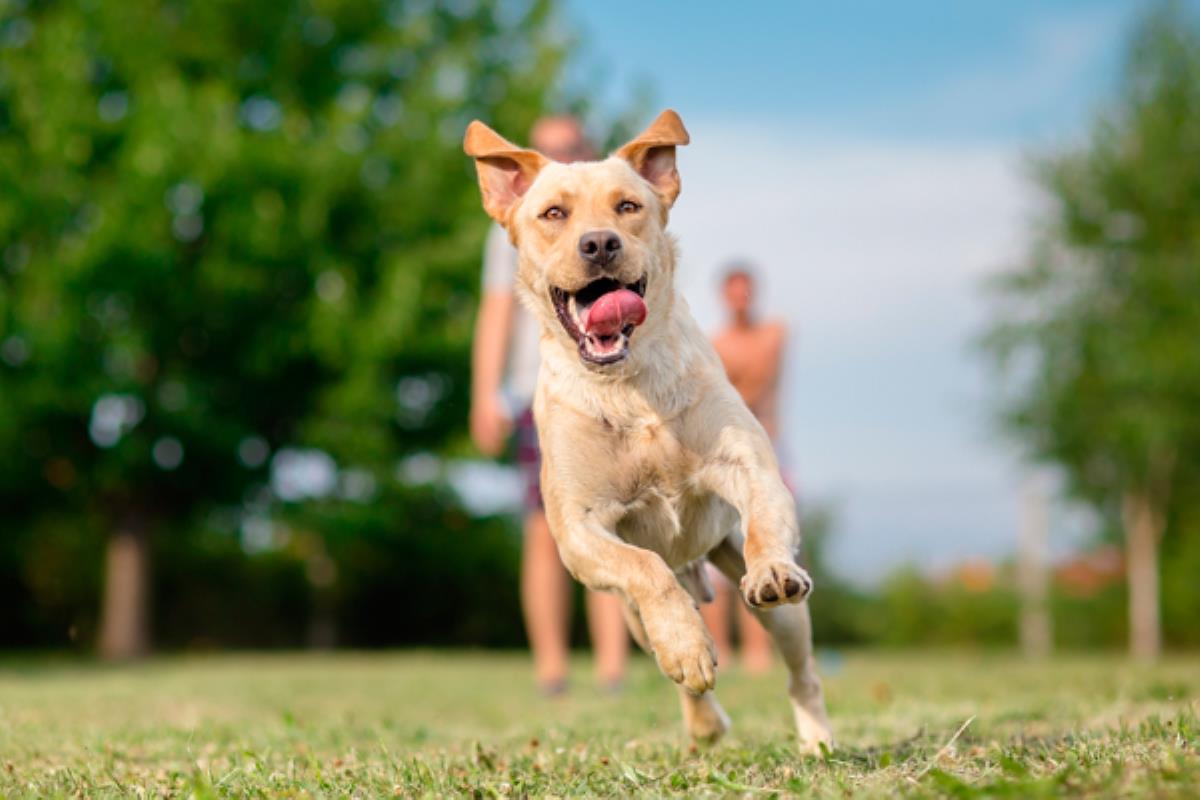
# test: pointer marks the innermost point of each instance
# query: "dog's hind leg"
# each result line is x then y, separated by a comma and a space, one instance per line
703, 718
633, 621
790, 627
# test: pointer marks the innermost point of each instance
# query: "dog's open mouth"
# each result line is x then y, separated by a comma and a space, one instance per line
601, 317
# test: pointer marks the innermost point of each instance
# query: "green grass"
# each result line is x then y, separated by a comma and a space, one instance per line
469, 724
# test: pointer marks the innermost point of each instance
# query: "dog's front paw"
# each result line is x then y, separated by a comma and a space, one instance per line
684, 651
774, 583
690, 661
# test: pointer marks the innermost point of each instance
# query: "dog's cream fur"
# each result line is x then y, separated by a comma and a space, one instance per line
652, 463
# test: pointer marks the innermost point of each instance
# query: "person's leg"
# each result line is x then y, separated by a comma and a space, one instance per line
610, 639
756, 642
545, 599
716, 615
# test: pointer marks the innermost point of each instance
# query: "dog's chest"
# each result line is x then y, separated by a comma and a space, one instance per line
668, 511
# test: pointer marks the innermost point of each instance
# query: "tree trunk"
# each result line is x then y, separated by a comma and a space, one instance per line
125, 617
1033, 575
1143, 529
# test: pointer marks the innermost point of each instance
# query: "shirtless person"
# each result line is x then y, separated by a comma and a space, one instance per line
752, 351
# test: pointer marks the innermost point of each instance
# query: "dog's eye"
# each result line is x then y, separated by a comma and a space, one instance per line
627, 207
553, 212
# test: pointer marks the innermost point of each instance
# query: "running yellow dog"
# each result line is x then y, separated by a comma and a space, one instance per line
651, 461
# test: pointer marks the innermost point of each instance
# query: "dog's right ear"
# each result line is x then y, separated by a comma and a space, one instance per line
505, 171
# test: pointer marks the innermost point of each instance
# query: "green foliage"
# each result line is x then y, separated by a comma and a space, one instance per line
229, 228
209, 593
1180, 588
441, 578
913, 609
1097, 336
1099, 328
1094, 621
49, 580
840, 612
252, 222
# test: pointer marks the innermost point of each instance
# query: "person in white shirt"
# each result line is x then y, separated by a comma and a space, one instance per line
504, 375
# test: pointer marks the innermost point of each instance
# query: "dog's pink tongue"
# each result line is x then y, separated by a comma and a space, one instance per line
613, 311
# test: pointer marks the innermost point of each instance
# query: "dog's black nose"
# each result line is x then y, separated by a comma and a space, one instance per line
600, 247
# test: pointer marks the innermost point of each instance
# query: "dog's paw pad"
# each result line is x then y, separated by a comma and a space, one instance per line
775, 583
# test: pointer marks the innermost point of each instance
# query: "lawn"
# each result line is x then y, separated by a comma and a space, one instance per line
469, 724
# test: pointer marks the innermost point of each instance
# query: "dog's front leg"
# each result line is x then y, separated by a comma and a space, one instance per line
762, 557
746, 476
772, 540
599, 559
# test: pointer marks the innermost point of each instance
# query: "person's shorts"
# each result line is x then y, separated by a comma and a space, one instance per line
529, 461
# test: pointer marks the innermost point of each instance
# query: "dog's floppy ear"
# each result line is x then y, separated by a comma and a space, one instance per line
652, 154
506, 171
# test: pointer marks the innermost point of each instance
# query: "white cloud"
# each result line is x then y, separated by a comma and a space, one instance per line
874, 254
1042, 73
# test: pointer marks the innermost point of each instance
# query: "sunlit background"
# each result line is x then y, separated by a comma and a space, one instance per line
241, 261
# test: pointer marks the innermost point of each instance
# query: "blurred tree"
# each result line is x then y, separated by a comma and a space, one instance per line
240, 250
838, 607
1100, 329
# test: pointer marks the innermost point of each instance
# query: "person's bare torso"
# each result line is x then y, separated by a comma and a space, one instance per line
753, 356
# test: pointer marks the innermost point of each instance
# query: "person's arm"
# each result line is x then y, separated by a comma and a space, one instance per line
721, 346
779, 335
768, 401
490, 424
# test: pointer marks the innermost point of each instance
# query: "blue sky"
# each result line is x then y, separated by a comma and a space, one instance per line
909, 70
869, 158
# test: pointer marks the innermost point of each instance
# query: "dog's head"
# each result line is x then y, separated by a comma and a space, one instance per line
596, 261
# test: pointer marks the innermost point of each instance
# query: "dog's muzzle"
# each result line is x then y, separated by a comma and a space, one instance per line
601, 317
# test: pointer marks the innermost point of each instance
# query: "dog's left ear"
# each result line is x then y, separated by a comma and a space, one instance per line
506, 171
652, 154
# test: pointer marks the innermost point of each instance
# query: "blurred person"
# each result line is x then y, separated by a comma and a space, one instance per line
504, 375
752, 352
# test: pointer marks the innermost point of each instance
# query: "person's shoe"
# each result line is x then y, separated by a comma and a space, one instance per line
612, 686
